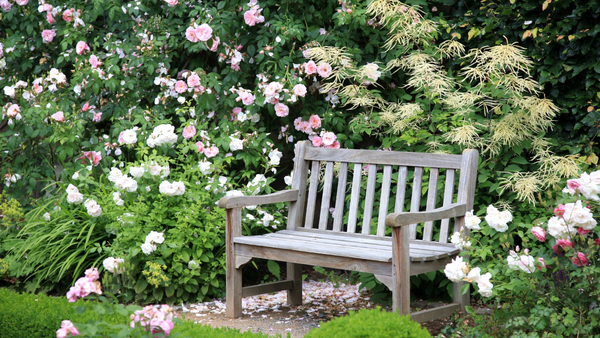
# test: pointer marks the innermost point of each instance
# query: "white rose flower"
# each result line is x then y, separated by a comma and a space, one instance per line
523, 262
74, 198
484, 285
576, 215
47, 216
93, 208
71, 188
205, 167
117, 199
148, 248
459, 241
162, 134
75, 175
115, 174
192, 265
236, 144
455, 271
136, 172
474, 274
267, 218
275, 157
129, 136
155, 237
113, 265
558, 229
498, 220
179, 188
472, 221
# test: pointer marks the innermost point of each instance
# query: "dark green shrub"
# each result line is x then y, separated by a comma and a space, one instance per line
370, 323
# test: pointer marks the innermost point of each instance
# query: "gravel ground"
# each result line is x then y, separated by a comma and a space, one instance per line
269, 314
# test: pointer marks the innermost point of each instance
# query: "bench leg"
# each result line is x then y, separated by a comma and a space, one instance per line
233, 276
463, 300
294, 273
400, 271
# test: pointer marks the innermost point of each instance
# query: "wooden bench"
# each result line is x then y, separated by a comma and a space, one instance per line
359, 183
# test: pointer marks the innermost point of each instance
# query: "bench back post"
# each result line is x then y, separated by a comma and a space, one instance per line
299, 177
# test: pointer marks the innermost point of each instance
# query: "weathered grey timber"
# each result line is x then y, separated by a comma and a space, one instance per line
368, 229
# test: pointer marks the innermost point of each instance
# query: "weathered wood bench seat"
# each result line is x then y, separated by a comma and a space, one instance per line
331, 224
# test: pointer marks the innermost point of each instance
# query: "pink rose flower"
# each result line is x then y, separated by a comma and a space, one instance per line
200, 146
82, 47
299, 90
246, 97
580, 259
48, 35
250, 17
204, 32
583, 232
539, 233
215, 44
573, 185
317, 141
189, 132
59, 116
21, 2
557, 249
211, 151
560, 210
324, 69
236, 110
97, 117
65, 328
315, 121
329, 138
310, 67
68, 15
171, 3
281, 110
94, 61
37, 88
180, 87
190, 34
50, 18
564, 243
93, 156
193, 80
13, 110
541, 263
6, 6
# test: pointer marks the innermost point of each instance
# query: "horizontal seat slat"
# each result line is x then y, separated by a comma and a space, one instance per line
384, 157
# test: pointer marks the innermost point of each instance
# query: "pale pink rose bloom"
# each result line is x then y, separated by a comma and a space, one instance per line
236, 110
48, 35
92, 273
82, 47
189, 132
317, 141
171, 3
322, 31
180, 87
539, 233
305, 127
37, 88
329, 138
49, 18
21, 2
315, 121
247, 98
120, 139
94, 61
97, 117
297, 123
215, 44
190, 34
193, 80
58, 116
204, 32
85, 107
564, 243
200, 146
13, 110
96, 157
299, 90
250, 17
310, 67
324, 69
211, 151
6, 6
336, 144
68, 15
281, 110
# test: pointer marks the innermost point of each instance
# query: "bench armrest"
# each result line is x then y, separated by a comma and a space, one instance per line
399, 219
229, 202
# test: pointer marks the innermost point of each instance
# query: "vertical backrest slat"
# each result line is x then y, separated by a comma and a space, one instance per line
401, 189
354, 196
299, 178
338, 213
448, 196
466, 184
326, 198
415, 199
434, 174
369, 199
384, 201
311, 201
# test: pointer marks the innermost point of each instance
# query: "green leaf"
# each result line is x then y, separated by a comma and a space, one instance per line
274, 268
140, 285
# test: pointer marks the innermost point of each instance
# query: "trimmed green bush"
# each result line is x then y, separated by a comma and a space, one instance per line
370, 323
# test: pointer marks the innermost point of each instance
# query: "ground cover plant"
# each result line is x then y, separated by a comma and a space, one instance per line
123, 122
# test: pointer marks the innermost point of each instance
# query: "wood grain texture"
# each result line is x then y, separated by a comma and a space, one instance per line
244, 201
296, 211
384, 157
399, 219
401, 189
384, 199
326, 197
294, 274
311, 200
400, 271
448, 199
434, 174
354, 198
369, 199
248, 291
338, 214
233, 276
415, 198
435, 313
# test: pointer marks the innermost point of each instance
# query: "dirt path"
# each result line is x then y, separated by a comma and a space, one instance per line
269, 314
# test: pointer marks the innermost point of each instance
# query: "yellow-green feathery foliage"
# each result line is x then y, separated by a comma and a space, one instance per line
155, 274
491, 103
11, 211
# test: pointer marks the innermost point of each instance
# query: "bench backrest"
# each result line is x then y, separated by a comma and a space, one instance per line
352, 191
